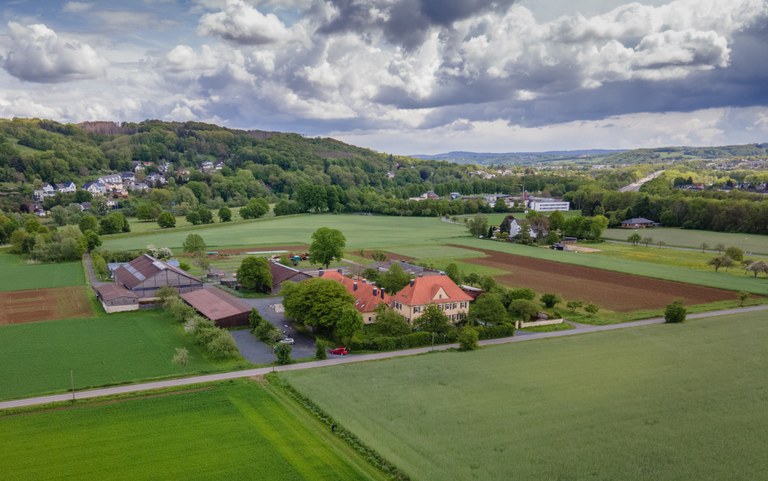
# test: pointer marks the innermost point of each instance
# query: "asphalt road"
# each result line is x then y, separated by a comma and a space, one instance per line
335, 360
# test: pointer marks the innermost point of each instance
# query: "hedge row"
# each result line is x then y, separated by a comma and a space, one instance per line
392, 471
421, 339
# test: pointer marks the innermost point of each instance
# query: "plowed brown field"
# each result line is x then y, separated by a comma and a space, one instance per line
17, 307
612, 290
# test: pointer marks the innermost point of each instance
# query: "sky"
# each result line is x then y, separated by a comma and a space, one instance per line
401, 76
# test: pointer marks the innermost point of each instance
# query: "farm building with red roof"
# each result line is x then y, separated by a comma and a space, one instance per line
367, 296
423, 291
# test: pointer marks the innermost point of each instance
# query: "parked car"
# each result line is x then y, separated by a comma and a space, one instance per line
339, 351
287, 340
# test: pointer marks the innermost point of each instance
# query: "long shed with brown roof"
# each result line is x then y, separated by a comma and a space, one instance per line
116, 298
222, 308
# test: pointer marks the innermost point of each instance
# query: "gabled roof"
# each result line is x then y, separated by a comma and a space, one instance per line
110, 292
145, 267
430, 290
281, 273
214, 303
367, 296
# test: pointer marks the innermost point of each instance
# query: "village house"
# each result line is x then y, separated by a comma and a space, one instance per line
638, 223
367, 296
67, 187
414, 298
94, 188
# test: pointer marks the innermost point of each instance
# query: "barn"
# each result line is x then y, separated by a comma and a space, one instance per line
145, 275
116, 298
222, 308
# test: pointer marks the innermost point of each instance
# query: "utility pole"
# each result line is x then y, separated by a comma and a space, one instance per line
72, 383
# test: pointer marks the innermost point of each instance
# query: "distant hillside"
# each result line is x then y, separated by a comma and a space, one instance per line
517, 158
637, 156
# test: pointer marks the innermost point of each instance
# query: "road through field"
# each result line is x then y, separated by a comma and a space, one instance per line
132, 388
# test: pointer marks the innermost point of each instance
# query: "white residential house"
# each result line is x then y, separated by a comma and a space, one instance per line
66, 187
206, 166
219, 165
156, 179
515, 228
139, 186
94, 188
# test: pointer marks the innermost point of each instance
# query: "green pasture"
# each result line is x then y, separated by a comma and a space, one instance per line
239, 430
361, 231
144, 227
662, 402
434, 252
756, 244
734, 280
36, 358
18, 275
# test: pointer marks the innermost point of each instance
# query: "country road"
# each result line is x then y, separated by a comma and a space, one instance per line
336, 360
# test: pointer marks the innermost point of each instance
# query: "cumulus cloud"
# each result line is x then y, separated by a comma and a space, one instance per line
37, 54
404, 22
243, 24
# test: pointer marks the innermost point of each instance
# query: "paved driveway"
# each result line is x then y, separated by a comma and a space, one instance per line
259, 353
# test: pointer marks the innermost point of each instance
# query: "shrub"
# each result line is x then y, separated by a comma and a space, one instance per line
320, 349
674, 312
283, 353
591, 309
166, 292
221, 345
523, 309
100, 266
178, 309
468, 339
255, 320
495, 332
550, 300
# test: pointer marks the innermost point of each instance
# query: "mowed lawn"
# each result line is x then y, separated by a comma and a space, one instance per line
17, 275
231, 431
664, 402
36, 358
757, 244
361, 231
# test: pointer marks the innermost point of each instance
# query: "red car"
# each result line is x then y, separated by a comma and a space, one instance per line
339, 351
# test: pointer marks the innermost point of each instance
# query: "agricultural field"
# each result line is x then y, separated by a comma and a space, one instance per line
663, 402
361, 231
19, 275
756, 244
238, 430
735, 280
36, 358
17, 307
614, 290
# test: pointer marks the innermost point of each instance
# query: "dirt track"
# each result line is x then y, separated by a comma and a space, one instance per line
17, 307
612, 290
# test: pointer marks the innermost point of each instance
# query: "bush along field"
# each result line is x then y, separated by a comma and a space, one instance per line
663, 402
237, 430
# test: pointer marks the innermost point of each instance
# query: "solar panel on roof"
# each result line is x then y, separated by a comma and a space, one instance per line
138, 275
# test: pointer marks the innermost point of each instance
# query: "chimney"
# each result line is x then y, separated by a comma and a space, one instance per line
412, 282
320, 273
354, 286
339, 271
375, 292
382, 293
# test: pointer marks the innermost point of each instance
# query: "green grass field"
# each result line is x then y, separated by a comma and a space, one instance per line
757, 244
18, 275
361, 231
235, 431
663, 402
36, 358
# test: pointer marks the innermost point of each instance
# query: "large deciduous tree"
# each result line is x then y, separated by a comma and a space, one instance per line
487, 309
432, 320
394, 279
327, 244
194, 244
323, 305
254, 274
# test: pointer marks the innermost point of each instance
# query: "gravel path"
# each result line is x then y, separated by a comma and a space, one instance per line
335, 360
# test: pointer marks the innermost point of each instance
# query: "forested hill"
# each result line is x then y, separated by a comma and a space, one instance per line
54, 152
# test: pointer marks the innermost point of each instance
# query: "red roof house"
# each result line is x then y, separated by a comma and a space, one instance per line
423, 291
367, 296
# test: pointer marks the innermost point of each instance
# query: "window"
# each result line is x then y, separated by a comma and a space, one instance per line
454, 306
415, 309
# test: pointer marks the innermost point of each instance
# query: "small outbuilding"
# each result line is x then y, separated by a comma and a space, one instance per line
116, 298
638, 223
281, 274
222, 308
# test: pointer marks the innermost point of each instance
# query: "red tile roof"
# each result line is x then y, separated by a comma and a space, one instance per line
425, 290
367, 296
